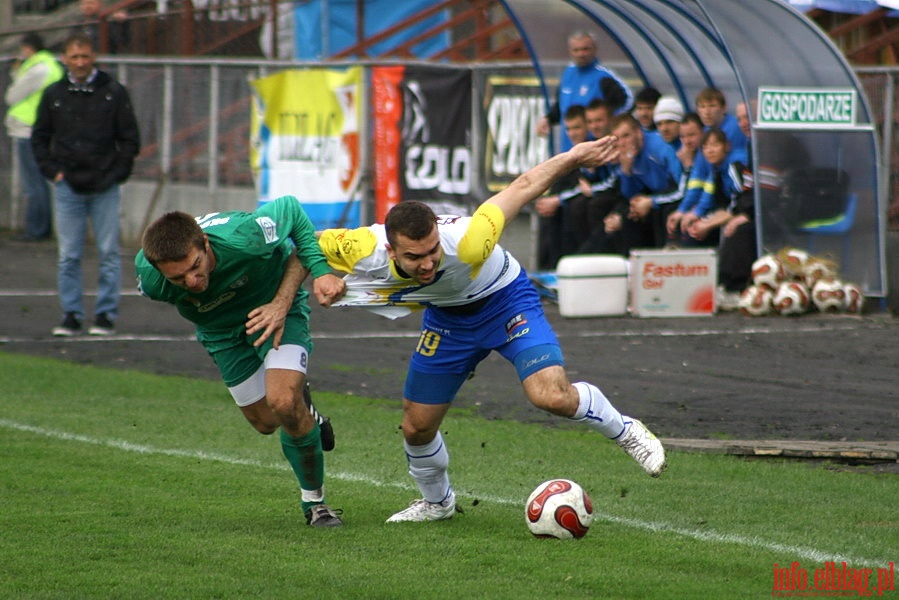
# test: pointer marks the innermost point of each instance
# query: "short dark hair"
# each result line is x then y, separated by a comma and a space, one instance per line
33, 41
692, 117
714, 133
410, 218
575, 111
622, 119
648, 95
78, 39
171, 237
598, 103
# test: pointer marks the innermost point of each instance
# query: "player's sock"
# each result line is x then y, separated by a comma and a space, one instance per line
304, 453
428, 467
596, 411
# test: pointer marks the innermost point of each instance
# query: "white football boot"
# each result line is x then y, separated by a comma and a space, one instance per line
422, 510
643, 446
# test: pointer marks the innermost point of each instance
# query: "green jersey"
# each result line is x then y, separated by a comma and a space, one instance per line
250, 253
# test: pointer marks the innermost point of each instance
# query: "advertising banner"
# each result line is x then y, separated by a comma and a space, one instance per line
305, 141
510, 108
673, 283
422, 137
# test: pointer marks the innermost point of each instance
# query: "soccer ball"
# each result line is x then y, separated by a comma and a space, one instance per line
855, 300
756, 300
817, 269
794, 261
829, 295
791, 298
559, 508
767, 270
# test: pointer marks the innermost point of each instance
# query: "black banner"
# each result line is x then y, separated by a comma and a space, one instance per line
436, 135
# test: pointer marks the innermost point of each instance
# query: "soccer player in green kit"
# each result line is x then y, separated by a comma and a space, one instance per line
237, 276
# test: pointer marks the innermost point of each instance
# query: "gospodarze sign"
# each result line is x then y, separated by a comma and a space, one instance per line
806, 108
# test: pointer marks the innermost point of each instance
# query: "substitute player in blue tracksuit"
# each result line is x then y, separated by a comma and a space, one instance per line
584, 80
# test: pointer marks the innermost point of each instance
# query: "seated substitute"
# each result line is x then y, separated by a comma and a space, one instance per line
668, 114
564, 212
652, 184
704, 209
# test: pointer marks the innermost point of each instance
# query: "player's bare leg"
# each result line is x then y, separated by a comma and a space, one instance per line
550, 390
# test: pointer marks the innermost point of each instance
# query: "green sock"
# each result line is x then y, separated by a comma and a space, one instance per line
305, 456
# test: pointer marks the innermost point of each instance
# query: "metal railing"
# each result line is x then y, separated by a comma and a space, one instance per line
194, 116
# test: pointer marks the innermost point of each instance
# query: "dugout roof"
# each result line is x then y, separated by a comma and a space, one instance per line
740, 47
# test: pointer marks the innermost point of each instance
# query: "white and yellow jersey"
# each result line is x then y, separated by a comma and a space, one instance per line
473, 264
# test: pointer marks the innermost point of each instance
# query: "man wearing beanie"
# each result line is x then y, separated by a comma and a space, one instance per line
669, 113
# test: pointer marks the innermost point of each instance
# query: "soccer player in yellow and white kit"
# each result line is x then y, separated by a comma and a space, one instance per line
477, 298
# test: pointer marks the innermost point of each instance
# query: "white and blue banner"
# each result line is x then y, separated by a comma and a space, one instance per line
305, 141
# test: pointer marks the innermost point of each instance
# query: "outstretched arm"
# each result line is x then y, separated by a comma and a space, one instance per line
530, 185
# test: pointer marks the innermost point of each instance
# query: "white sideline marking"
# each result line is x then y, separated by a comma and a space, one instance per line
812, 554
386, 335
46, 293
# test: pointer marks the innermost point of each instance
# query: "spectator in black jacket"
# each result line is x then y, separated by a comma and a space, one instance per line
85, 141
118, 28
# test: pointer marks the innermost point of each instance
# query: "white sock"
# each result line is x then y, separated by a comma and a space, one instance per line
428, 467
596, 411
313, 495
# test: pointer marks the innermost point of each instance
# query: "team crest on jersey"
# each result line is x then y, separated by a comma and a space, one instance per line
240, 282
269, 229
515, 322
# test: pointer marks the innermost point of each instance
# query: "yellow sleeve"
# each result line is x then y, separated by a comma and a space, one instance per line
345, 247
483, 233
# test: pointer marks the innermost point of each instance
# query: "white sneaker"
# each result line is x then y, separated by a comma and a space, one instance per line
727, 301
643, 446
422, 510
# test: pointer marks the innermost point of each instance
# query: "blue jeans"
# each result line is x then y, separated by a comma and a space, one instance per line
73, 210
38, 216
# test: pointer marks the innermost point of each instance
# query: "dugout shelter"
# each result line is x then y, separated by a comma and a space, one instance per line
819, 180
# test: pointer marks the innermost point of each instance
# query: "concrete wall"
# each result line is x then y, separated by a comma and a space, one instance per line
144, 201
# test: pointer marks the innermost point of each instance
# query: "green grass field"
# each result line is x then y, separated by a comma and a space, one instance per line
126, 485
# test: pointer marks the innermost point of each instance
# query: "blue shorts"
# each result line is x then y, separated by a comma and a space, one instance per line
451, 345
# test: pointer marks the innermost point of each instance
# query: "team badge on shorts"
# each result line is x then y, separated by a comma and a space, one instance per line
515, 322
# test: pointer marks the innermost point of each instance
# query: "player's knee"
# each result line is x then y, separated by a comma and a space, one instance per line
265, 428
260, 417
291, 413
556, 399
553, 402
418, 434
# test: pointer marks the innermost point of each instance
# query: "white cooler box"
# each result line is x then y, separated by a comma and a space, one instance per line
673, 283
592, 285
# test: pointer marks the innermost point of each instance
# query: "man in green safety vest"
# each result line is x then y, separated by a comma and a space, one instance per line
38, 69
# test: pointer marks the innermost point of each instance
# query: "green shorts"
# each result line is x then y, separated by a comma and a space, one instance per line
233, 351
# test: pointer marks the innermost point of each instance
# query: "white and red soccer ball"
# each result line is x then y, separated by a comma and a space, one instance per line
791, 298
793, 261
756, 300
768, 270
854, 299
829, 295
817, 269
559, 508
